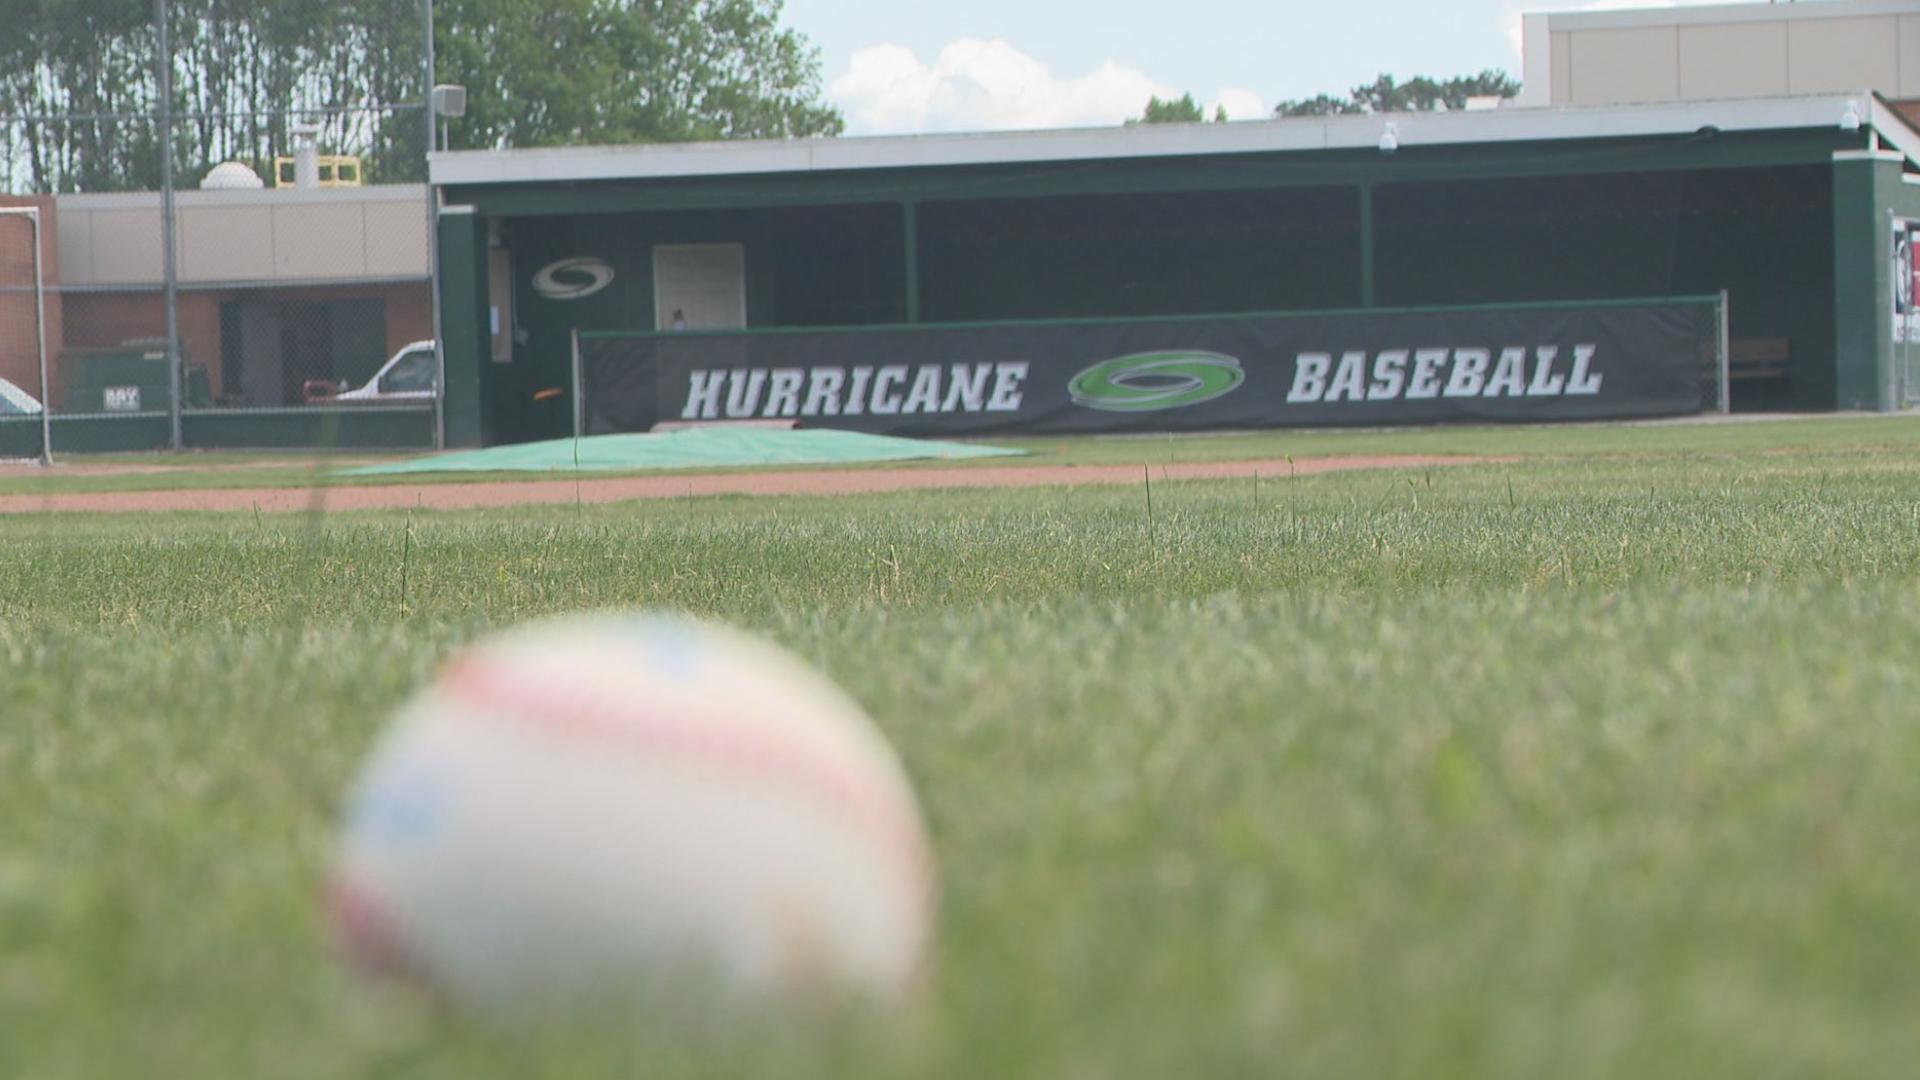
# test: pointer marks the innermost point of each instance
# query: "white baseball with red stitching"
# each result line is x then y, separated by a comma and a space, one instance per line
604, 800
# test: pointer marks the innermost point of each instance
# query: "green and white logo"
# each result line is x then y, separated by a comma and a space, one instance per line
572, 279
1151, 381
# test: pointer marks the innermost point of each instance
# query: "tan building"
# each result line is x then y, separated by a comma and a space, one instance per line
1717, 52
277, 287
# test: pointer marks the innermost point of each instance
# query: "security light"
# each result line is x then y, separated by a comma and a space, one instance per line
450, 100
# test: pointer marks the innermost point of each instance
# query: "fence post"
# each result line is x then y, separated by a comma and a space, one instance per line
40, 335
579, 388
1724, 359
168, 281
433, 235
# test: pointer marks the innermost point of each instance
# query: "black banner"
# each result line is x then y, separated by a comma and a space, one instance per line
1358, 368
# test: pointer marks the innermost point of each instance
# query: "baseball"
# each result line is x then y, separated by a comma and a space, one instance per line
601, 801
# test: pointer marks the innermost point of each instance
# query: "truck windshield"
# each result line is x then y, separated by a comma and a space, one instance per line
412, 373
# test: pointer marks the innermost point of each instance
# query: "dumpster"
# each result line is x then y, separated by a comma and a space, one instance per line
129, 377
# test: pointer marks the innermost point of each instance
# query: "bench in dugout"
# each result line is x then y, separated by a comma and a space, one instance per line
1758, 358
1750, 360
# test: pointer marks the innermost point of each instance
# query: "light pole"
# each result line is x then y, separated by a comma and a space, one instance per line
433, 233
449, 102
169, 283
442, 101
32, 214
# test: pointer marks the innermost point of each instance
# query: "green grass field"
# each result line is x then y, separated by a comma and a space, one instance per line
1604, 762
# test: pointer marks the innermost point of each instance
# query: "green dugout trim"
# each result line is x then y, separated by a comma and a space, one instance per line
465, 343
1870, 192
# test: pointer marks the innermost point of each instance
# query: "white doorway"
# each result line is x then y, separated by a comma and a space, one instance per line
699, 286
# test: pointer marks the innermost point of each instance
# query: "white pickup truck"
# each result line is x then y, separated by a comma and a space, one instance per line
408, 377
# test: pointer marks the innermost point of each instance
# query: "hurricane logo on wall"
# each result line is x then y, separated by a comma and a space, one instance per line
1151, 381
1903, 268
572, 279
1906, 282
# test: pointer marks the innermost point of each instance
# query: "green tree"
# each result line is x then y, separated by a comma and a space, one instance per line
1418, 94
563, 72
76, 60
246, 72
1317, 105
1181, 110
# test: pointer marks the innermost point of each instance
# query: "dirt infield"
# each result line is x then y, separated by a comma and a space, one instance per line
616, 489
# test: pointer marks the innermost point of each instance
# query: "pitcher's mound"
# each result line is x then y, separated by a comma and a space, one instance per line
713, 447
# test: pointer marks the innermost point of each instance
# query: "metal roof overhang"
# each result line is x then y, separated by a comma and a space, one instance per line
1413, 130
1758, 132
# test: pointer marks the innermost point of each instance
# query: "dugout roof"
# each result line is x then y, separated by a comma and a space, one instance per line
1412, 131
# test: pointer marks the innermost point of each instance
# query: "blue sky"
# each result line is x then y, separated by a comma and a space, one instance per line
979, 64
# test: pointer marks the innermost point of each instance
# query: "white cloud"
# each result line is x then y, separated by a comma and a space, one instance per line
989, 85
1240, 103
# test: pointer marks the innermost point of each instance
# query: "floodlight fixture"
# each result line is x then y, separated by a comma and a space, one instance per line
450, 100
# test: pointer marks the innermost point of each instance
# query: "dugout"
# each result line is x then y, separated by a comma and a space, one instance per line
1787, 204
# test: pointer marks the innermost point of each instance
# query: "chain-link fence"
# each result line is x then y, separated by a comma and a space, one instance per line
289, 261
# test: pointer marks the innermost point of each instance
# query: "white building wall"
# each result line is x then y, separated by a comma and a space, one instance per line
266, 237
1721, 51
1731, 60
1625, 66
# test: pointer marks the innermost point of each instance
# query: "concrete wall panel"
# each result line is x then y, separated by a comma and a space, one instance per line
227, 243
1612, 67
1561, 65
76, 246
319, 241
1909, 57
244, 237
1825, 55
1725, 51
396, 239
1730, 60
125, 248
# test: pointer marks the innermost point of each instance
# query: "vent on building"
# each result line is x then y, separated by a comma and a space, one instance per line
309, 168
231, 176
332, 170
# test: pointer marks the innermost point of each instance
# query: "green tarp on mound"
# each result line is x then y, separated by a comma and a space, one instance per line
691, 448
